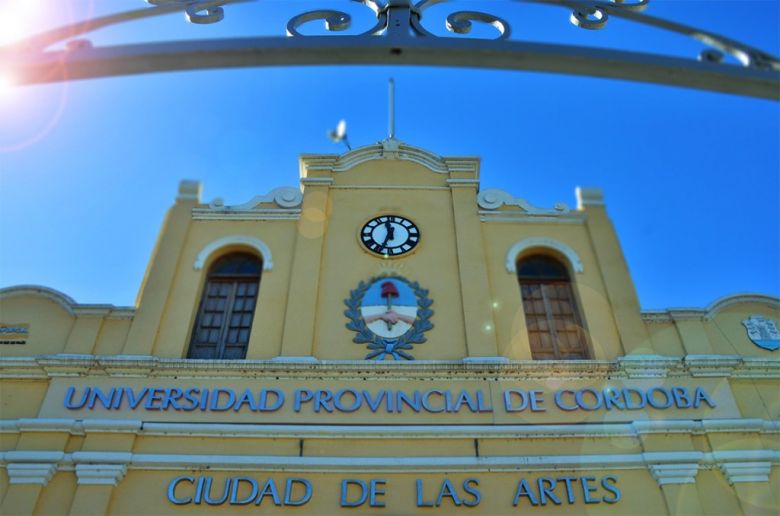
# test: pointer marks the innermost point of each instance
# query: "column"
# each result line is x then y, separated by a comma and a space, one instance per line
25, 484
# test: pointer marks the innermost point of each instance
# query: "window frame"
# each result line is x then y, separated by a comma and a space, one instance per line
214, 278
545, 283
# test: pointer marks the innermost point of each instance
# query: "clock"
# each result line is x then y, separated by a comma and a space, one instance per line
389, 235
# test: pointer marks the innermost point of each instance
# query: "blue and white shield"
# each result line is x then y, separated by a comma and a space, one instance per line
390, 314
763, 332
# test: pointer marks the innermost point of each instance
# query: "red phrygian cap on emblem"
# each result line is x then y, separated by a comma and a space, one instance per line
389, 290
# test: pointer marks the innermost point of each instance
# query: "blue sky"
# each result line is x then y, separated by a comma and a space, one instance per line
691, 178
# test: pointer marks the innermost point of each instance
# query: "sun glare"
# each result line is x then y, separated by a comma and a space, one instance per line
6, 85
21, 18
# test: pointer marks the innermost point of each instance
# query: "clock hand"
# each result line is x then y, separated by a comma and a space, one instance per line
389, 236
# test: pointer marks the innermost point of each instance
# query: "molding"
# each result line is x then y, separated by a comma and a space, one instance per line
463, 183
35, 474
708, 313
648, 366
636, 430
391, 187
515, 217
485, 360
739, 472
286, 359
390, 149
632, 366
100, 474
544, 243
666, 467
67, 303
495, 198
674, 473
283, 197
742, 297
258, 214
316, 181
242, 240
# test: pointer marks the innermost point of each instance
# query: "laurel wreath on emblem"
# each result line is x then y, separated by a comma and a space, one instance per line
380, 346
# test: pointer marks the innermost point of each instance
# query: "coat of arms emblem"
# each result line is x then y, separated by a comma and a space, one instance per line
763, 332
390, 314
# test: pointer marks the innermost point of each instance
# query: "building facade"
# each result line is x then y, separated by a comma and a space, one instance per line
388, 338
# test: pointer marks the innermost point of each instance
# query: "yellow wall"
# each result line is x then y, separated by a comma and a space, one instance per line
708, 460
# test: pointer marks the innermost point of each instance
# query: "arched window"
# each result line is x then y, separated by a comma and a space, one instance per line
227, 307
554, 324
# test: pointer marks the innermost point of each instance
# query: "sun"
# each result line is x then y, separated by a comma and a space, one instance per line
21, 18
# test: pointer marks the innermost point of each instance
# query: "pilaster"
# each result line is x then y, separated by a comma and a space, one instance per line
26, 481
678, 485
300, 314
614, 270
478, 320
750, 480
95, 485
157, 282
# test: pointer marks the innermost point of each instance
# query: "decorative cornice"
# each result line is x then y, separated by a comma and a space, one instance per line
635, 430
281, 203
35, 474
495, 198
632, 366
739, 472
709, 313
674, 473
388, 150
100, 474
672, 466
67, 303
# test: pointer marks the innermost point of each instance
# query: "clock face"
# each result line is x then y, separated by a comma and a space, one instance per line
389, 235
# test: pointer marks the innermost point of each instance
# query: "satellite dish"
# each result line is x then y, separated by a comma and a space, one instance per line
340, 134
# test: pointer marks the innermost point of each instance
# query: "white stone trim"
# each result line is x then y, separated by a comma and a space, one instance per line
674, 473
67, 303
289, 359
739, 472
667, 467
100, 474
635, 429
392, 150
243, 240
142, 366
708, 313
495, 198
543, 243
35, 474
486, 360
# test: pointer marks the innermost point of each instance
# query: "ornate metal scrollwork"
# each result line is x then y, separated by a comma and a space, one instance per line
400, 37
334, 21
201, 12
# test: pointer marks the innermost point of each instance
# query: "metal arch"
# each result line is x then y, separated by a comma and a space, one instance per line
398, 38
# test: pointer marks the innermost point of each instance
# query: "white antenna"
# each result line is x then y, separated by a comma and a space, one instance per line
340, 134
391, 109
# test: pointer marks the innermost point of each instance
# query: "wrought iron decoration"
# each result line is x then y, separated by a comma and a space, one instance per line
399, 36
